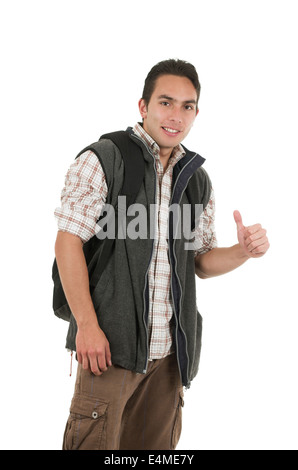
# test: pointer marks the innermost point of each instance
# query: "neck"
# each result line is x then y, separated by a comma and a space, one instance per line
164, 156
165, 153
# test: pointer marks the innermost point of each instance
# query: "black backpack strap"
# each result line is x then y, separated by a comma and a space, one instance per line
134, 170
134, 165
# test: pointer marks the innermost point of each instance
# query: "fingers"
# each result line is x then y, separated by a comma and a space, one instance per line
97, 365
85, 362
253, 235
96, 362
108, 355
93, 350
255, 239
261, 247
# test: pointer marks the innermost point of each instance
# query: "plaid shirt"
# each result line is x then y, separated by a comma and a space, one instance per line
82, 200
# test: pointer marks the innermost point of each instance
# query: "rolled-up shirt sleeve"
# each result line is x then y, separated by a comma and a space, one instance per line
83, 197
205, 234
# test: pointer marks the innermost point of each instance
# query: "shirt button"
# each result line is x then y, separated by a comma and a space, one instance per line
94, 415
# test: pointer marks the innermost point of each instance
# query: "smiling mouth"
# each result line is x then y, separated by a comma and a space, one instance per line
171, 131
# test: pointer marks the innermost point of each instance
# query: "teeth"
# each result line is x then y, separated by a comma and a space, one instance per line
171, 130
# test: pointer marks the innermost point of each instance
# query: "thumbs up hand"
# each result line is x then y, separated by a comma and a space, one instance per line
252, 239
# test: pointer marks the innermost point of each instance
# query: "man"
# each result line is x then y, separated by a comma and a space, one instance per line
138, 337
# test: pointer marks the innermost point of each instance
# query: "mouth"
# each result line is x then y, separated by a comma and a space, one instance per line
170, 131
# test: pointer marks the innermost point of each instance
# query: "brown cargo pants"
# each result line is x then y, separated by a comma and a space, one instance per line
123, 410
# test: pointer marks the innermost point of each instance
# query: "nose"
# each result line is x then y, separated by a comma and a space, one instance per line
175, 115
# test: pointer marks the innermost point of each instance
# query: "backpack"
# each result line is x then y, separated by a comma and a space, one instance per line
134, 170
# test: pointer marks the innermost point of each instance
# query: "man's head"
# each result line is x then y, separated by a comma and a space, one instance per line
169, 104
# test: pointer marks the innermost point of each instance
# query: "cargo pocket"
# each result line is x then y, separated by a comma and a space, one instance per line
86, 425
178, 422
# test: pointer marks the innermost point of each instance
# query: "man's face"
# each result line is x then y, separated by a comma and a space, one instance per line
171, 111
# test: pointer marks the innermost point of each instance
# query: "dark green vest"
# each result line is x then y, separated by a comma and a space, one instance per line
121, 298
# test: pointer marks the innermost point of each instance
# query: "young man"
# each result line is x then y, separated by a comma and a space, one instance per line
138, 337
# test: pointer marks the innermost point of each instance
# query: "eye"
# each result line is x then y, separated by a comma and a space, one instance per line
165, 103
189, 107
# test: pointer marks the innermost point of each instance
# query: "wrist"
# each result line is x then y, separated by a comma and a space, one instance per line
241, 253
86, 320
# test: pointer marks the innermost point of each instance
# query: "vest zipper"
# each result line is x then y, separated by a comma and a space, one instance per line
146, 275
175, 271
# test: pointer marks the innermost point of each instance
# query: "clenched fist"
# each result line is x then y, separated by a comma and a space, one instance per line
252, 239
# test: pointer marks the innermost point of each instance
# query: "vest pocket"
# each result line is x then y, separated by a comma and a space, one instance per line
85, 428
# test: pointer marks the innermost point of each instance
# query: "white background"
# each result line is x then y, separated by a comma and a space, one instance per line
72, 70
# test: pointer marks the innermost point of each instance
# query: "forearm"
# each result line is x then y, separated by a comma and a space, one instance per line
92, 346
219, 261
74, 277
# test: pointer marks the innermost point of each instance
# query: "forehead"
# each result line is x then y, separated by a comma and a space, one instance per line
179, 88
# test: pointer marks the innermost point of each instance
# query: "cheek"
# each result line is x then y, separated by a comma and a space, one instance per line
160, 114
189, 124
156, 121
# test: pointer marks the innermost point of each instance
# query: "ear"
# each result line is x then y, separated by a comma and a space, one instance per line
143, 108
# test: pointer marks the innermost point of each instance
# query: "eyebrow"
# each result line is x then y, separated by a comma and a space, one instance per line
166, 97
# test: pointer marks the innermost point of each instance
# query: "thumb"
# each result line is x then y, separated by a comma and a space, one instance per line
238, 220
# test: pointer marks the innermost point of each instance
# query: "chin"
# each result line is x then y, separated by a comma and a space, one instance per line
170, 142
